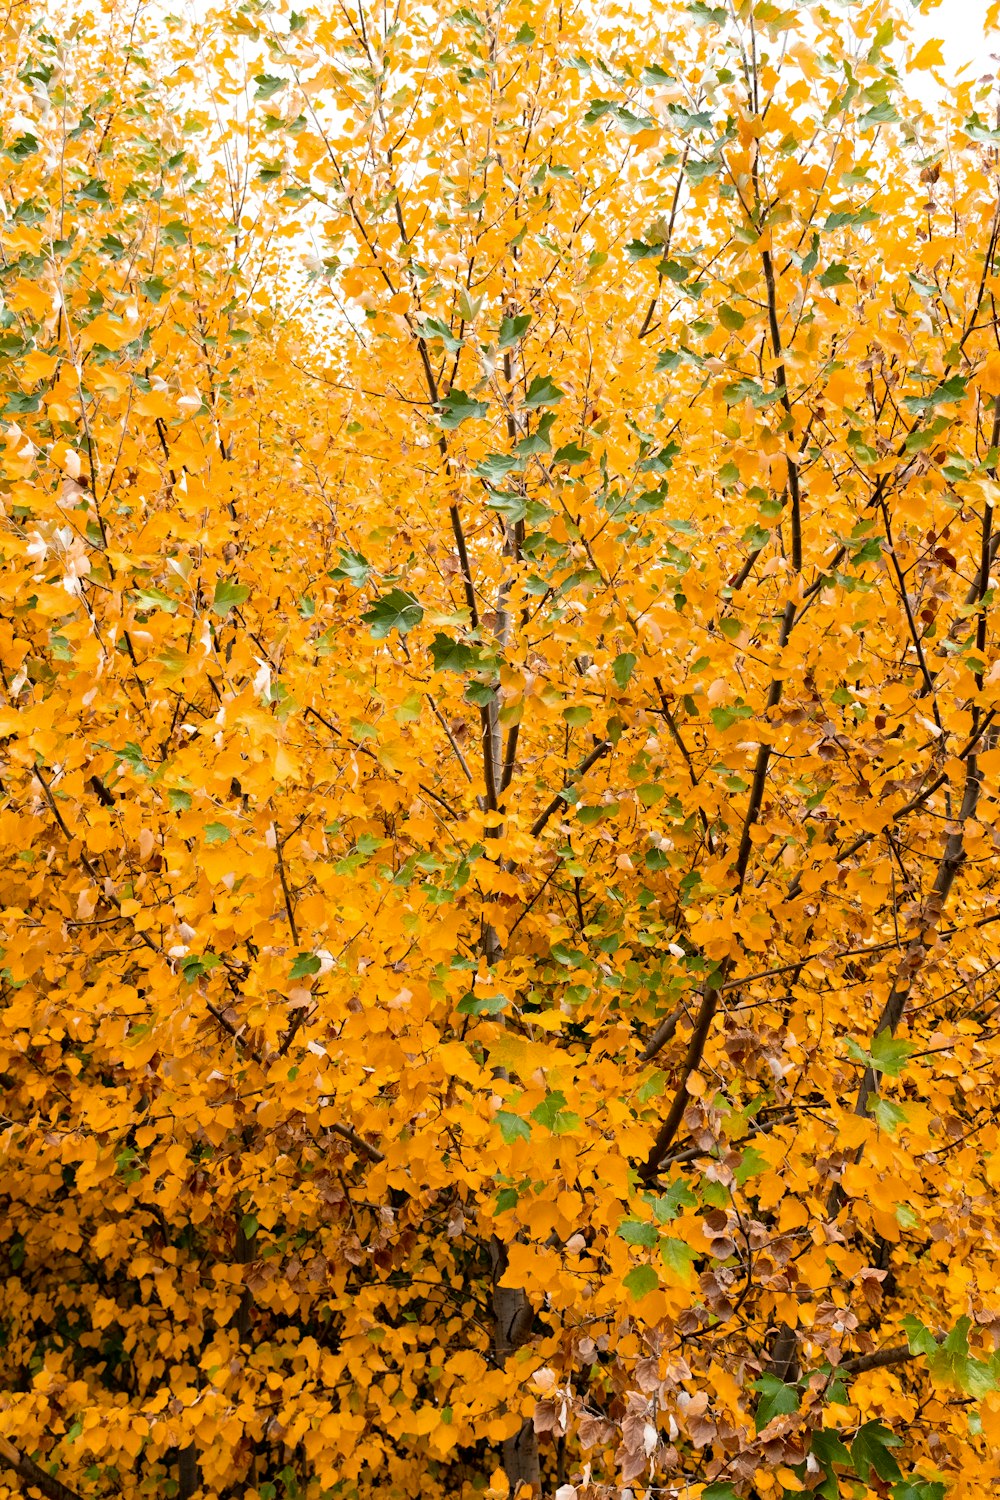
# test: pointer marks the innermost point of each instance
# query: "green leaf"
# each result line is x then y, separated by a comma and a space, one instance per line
304, 964
553, 1114
722, 718
751, 1165
922, 288
622, 668
635, 1232
850, 220
22, 403
597, 109
880, 114
708, 15
948, 390
701, 171
829, 1449
155, 288
542, 392
951, 1363
507, 1198
539, 441
571, 453
452, 656
95, 192
674, 271
669, 1204
496, 465
457, 407
217, 833
870, 1451
975, 128
719, 1491
748, 390
639, 250
730, 318
268, 85
26, 145
678, 1257
435, 330
396, 610
630, 123
228, 595
807, 263
776, 1399
887, 1054
640, 1281
154, 598
512, 330
509, 503
835, 275
485, 1005
525, 36
863, 452
468, 307
889, 1116
919, 1338
249, 1226
512, 1127
926, 436
352, 568
197, 965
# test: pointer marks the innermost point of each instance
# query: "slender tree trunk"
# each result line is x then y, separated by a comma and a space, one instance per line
512, 1319
188, 1472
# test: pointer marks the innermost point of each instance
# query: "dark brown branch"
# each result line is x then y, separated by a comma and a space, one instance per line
282, 876
895, 1354
32, 1475
358, 1142
510, 754
557, 801
692, 1058
663, 1034
790, 464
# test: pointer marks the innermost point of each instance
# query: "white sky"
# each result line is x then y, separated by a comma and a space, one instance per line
959, 24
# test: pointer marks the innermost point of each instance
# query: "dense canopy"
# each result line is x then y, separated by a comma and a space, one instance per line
499, 770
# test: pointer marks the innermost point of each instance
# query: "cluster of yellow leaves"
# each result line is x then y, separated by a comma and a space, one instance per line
498, 756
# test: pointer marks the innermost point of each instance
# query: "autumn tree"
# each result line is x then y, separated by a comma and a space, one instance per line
499, 770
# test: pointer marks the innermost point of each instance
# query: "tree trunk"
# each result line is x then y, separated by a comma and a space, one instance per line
188, 1472
512, 1319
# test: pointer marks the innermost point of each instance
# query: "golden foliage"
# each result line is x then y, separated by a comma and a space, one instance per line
499, 764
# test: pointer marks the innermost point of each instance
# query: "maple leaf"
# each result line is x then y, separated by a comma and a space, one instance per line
396, 610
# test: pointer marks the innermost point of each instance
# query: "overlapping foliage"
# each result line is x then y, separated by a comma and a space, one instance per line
499, 770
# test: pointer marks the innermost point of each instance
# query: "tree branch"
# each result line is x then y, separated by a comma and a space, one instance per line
557, 800
33, 1475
